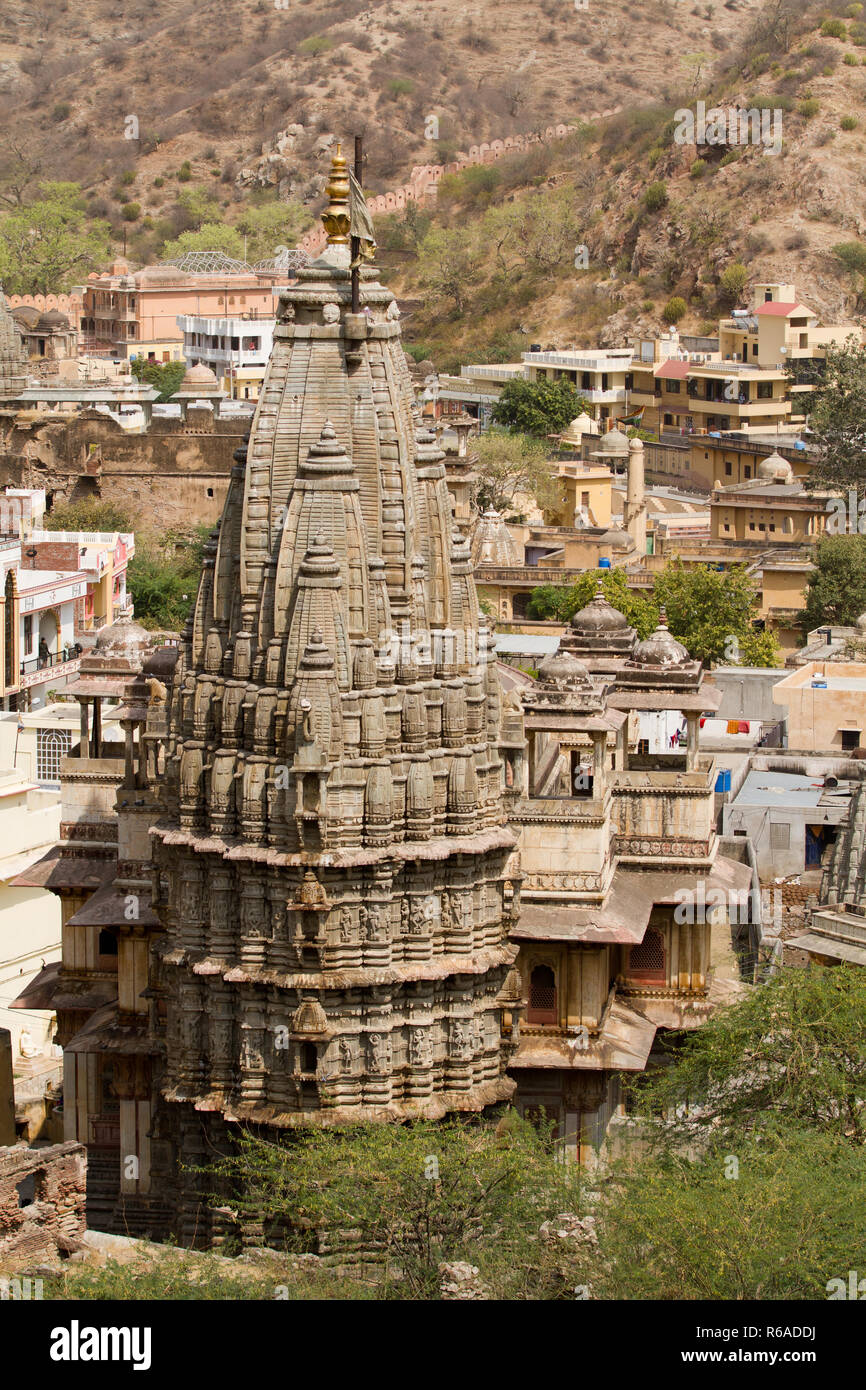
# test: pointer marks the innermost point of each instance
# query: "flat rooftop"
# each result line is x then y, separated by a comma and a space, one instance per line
767, 787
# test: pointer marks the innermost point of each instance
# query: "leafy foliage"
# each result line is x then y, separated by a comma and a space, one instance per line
418, 1194
537, 407
792, 1050
163, 578
561, 601
166, 376
88, 516
47, 243
836, 593
733, 281
710, 611
211, 236
675, 309
780, 1225
838, 418
510, 465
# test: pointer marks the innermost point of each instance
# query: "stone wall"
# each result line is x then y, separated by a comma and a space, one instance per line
41, 1201
88, 456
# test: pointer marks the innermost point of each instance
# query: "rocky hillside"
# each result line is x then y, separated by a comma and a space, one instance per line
659, 219
214, 83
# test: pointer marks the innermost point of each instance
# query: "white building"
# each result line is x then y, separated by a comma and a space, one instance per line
30, 927
602, 376
237, 350
55, 586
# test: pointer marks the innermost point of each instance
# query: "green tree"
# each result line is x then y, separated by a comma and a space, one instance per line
211, 236
675, 309
732, 282
793, 1050
272, 225
163, 578
449, 266
838, 419
509, 465
852, 254
199, 205
537, 407
712, 611
88, 516
748, 1170
656, 196
776, 1220
48, 243
561, 601
165, 376
836, 592
419, 1193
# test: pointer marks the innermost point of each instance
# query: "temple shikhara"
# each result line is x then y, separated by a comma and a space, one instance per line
346, 851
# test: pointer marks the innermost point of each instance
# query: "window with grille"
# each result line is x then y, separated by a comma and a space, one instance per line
646, 961
780, 836
542, 996
52, 746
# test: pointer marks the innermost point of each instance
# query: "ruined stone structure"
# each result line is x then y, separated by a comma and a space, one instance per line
332, 865
185, 463
41, 1203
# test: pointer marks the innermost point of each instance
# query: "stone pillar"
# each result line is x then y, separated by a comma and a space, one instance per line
96, 732
693, 726
84, 745
599, 764
635, 502
129, 753
621, 754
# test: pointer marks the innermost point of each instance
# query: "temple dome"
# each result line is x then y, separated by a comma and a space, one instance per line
199, 380
599, 616
561, 668
775, 469
123, 640
582, 424
614, 444
615, 536
52, 318
661, 648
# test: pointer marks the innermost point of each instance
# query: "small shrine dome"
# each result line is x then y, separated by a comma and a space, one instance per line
561, 668
582, 424
613, 444
599, 616
775, 469
123, 640
199, 381
661, 648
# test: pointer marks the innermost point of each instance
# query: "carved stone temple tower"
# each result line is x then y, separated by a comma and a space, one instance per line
332, 865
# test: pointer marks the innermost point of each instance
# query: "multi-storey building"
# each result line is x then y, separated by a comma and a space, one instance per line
55, 587
237, 349
134, 314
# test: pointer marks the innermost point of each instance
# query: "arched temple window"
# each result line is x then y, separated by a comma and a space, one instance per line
542, 996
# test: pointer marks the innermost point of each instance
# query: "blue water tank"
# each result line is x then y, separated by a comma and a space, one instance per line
604, 564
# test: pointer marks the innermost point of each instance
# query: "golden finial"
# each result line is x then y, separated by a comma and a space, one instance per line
335, 218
